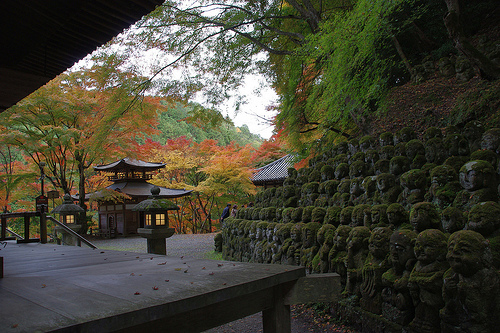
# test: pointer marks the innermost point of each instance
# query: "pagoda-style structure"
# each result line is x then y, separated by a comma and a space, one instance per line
129, 177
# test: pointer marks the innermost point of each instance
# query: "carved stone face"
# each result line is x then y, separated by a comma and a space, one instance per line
401, 247
430, 246
310, 239
379, 242
358, 238
476, 175
452, 219
424, 216
296, 233
340, 237
260, 234
385, 182
465, 252
491, 139
484, 218
356, 189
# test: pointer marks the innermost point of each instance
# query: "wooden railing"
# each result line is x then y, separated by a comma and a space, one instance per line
43, 228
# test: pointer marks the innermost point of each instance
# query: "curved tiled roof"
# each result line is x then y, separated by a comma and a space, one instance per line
274, 172
129, 164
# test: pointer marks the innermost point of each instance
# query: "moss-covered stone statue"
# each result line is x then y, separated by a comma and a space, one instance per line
387, 189
381, 166
415, 151
456, 145
473, 132
471, 289
404, 135
332, 216
399, 165
478, 180
357, 251
444, 186
260, 242
377, 263
387, 152
452, 219
426, 280
342, 171
397, 217
310, 245
342, 197
346, 215
379, 216
414, 184
324, 237
491, 140
484, 218
358, 215
369, 185
385, 139
338, 253
397, 303
435, 151
425, 215
356, 191
293, 253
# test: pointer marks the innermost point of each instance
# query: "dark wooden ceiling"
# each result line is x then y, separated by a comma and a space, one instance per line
40, 39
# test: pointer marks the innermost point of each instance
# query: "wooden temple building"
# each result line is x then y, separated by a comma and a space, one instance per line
129, 176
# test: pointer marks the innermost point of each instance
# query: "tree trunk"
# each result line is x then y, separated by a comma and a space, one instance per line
455, 29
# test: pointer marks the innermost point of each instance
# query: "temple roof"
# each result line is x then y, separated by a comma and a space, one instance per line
129, 164
273, 173
138, 189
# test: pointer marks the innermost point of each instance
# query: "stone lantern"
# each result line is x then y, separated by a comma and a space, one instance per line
154, 215
68, 215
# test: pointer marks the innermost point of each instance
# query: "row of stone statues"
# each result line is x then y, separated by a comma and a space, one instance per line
411, 226
365, 173
425, 281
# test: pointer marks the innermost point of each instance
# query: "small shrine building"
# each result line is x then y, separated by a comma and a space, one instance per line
129, 176
273, 174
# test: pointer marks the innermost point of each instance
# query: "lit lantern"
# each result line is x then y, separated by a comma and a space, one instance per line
68, 215
154, 212
68, 211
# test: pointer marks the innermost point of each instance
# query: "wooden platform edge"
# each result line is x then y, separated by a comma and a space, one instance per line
315, 288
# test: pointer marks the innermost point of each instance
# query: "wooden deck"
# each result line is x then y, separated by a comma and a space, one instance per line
72, 289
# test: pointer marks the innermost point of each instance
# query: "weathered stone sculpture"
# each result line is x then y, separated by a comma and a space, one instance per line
357, 251
491, 140
415, 152
397, 303
310, 244
435, 151
471, 287
484, 218
379, 216
293, 252
356, 191
444, 186
479, 184
414, 184
452, 219
376, 263
397, 217
338, 253
426, 280
324, 237
387, 189
424, 215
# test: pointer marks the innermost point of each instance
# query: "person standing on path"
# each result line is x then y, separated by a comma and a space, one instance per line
225, 213
234, 211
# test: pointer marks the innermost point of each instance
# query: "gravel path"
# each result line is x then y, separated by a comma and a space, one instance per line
201, 246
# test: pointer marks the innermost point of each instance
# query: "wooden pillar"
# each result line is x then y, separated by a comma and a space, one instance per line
26, 227
1, 267
4, 227
277, 318
43, 228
